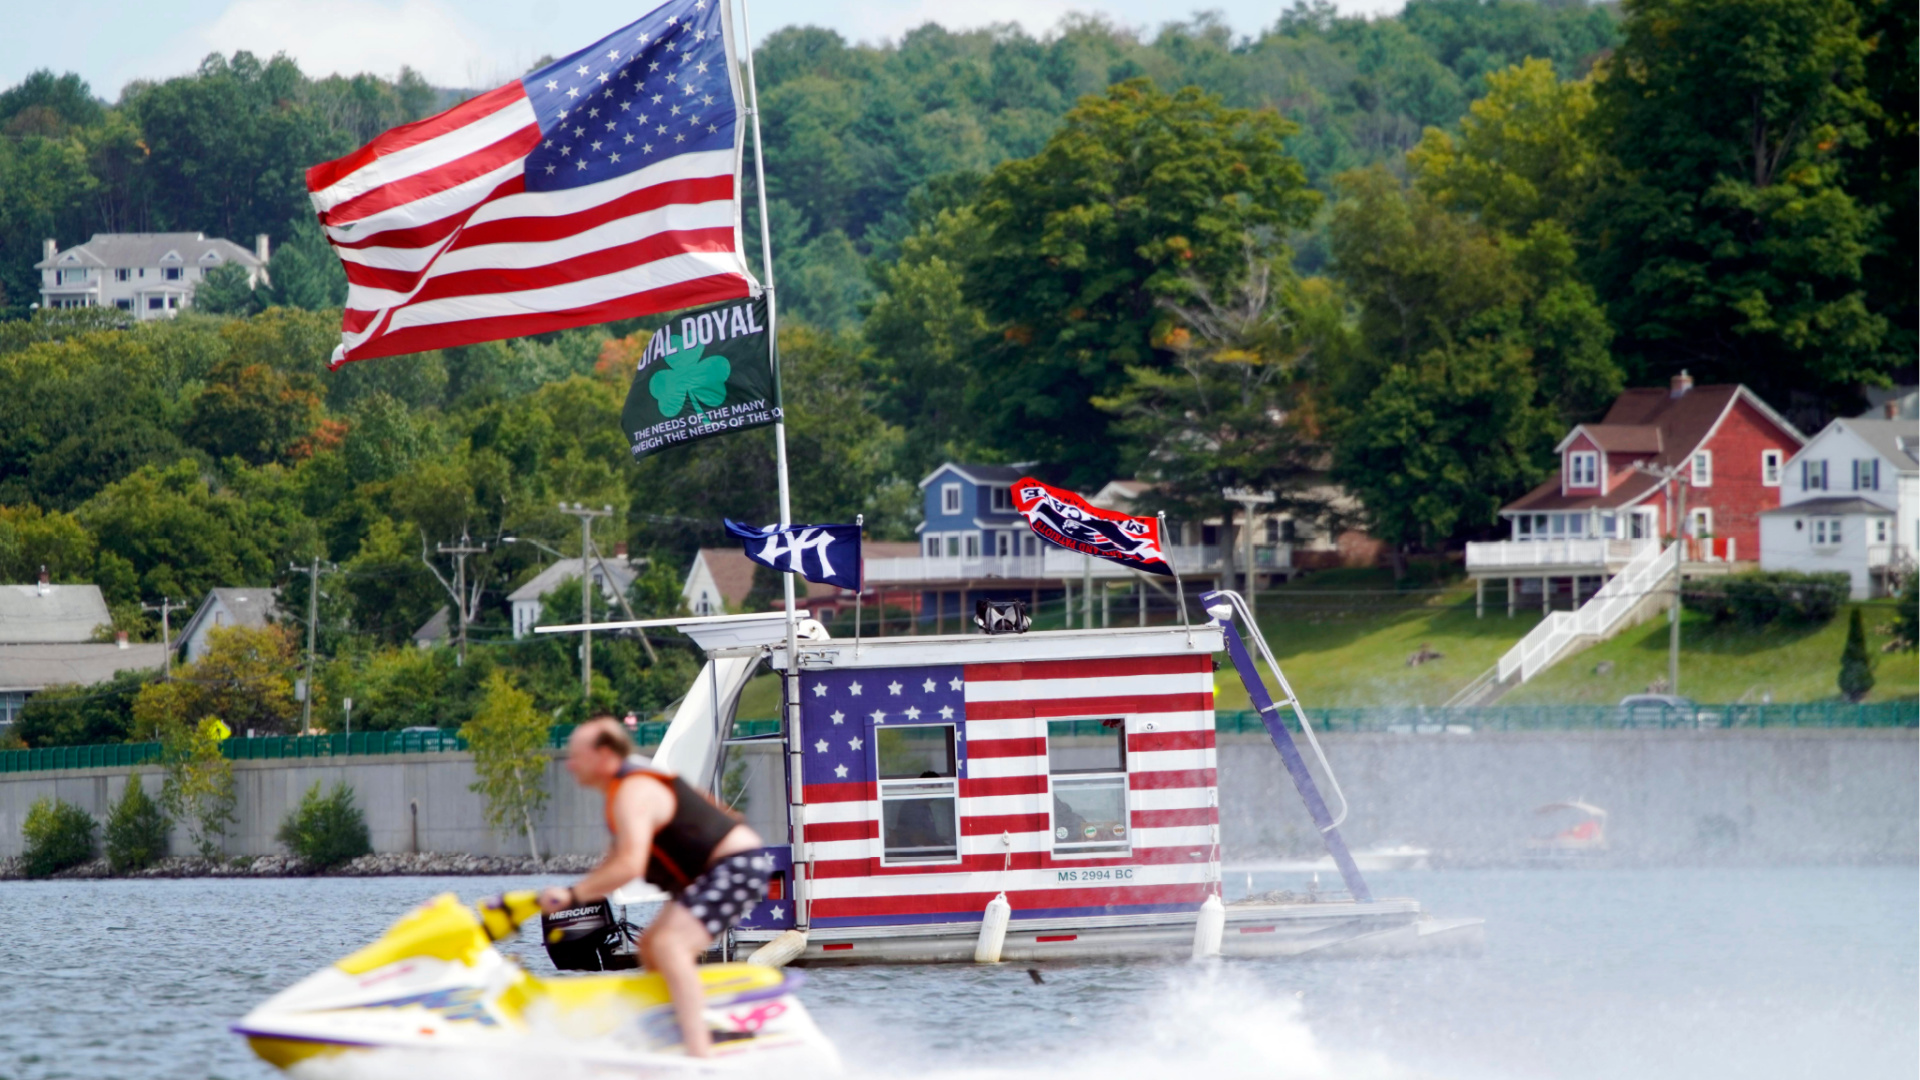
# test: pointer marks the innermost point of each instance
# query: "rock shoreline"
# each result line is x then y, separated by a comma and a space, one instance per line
423, 864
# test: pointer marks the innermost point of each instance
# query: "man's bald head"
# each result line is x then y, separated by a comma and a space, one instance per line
596, 750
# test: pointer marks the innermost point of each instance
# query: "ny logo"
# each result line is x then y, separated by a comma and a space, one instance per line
796, 544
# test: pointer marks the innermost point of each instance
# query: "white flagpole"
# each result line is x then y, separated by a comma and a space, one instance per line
796, 815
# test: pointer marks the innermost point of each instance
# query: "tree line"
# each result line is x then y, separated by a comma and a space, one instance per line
1401, 254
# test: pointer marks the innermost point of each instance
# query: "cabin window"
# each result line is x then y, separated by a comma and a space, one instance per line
122, 274
1880, 530
1866, 474
933, 547
1813, 475
1087, 769
949, 498
1585, 469
171, 273
973, 545
1003, 544
1000, 499
1770, 468
919, 794
953, 547
1703, 468
1826, 532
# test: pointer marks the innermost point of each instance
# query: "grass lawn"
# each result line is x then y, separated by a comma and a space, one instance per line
1729, 663
1344, 636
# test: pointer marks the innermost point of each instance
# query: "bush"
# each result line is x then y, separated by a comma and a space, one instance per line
58, 835
1760, 597
136, 830
1906, 613
1856, 664
326, 830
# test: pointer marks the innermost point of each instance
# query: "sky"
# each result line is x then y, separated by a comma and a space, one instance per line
479, 43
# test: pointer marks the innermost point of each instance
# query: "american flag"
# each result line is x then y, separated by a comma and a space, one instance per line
603, 186
1000, 712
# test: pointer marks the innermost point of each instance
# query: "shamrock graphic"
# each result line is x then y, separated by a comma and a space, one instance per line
690, 378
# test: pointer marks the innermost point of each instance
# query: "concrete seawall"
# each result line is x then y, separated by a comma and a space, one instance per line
1771, 796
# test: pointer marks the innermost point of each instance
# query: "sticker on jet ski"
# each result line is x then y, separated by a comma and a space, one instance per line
1064, 518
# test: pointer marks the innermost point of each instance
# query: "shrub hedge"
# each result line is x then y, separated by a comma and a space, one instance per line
136, 830
326, 830
1760, 597
58, 835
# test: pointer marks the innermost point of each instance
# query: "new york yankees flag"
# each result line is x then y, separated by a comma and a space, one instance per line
1066, 519
829, 554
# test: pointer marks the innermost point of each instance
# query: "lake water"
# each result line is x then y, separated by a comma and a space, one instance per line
1636, 975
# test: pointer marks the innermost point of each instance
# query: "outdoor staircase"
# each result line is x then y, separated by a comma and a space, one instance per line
1637, 590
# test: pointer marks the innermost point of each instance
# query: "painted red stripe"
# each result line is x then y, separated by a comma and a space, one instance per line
835, 948
967, 905
995, 824
1111, 706
1052, 937
828, 831
328, 173
1171, 778
1088, 669
1143, 741
1003, 785
1167, 819
539, 229
1004, 748
413, 339
847, 792
1022, 860
421, 185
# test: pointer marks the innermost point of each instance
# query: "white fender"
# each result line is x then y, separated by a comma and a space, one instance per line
993, 931
1209, 928
781, 951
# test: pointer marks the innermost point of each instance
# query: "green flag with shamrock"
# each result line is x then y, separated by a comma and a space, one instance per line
707, 372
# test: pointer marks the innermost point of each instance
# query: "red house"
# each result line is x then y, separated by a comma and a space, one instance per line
1730, 449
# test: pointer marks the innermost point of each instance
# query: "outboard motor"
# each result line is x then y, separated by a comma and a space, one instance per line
589, 938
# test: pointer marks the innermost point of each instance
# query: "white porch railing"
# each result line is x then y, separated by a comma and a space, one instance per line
1052, 564
1567, 551
1598, 617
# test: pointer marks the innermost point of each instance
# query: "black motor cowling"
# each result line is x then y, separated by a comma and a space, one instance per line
588, 938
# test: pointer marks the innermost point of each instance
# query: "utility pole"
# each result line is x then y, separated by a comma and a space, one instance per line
464, 599
586, 514
1675, 478
1249, 499
165, 607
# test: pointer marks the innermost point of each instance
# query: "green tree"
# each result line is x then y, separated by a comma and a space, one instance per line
304, 271
325, 830
1138, 194
226, 290
253, 412
83, 715
31, 538
199, 786
1725, 240
1856, 663
137, 830
510, 757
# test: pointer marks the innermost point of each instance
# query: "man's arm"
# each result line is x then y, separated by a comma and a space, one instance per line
636, 807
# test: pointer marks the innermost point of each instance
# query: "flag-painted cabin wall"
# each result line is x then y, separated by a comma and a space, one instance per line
967, 513
1081, 783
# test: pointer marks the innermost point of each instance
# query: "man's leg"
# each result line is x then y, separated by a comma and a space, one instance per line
671, 946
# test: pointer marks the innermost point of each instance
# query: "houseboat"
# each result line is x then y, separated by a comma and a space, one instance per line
1018, 796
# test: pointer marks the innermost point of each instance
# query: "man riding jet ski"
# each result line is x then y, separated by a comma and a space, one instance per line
679, 839
435, 984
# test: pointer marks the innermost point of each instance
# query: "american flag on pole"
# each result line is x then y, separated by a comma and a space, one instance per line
1010, 825
603, 186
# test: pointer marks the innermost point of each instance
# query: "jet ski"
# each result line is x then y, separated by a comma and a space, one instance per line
434, 985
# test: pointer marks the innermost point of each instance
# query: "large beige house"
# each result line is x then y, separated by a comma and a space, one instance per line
151, 275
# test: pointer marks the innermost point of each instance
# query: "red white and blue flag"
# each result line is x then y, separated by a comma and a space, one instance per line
1001, 713
603, 186
1062, 517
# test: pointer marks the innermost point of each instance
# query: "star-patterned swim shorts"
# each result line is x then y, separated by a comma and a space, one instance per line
721, 897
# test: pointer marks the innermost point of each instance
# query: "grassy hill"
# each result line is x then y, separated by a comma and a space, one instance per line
1344, 636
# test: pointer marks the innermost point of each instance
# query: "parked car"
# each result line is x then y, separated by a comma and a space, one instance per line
1664, 710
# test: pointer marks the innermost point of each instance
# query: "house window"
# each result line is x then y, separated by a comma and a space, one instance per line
1000, 499
1880, 530
1770, 468
1583, 469
919, 794
949, 498
1087, 769
1176, 534
1700, 522
123, 304
1866, 474
156, 303
1813, 475
1209, 535
973, 545
1826, 532
1523, 527
1033, 545
1003, 544
122, 274
933, 547
953, 547
69, 277
1273, 530
1703, 468
170, 273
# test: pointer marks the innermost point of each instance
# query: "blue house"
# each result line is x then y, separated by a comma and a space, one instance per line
968, 513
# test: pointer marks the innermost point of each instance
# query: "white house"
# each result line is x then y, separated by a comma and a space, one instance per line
152, 275
525, 601
49, 637
253, 608
1850, 501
